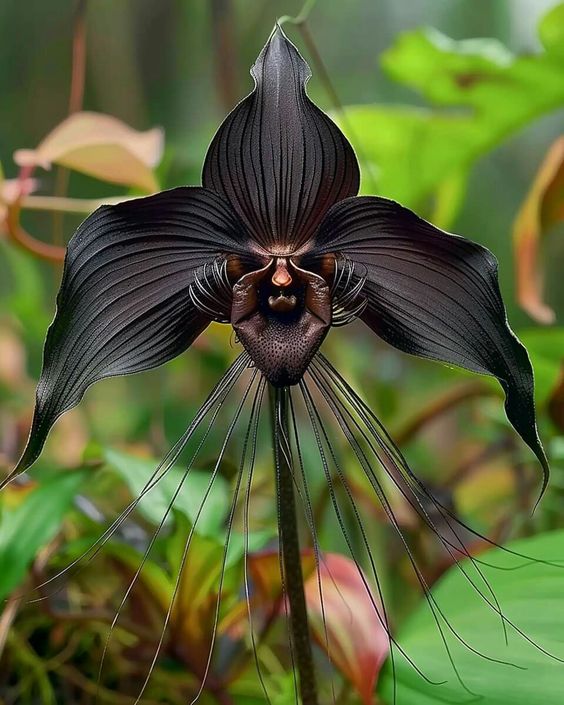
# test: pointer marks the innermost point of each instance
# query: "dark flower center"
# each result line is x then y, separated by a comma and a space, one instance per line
281, 311
281, 314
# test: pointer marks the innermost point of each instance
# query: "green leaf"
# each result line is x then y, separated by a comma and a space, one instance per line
153, 577
137, 473
23, 292
530, 596
546, 349
29, 527
479, 93
551, 31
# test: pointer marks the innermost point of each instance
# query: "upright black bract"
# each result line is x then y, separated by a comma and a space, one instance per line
277, 244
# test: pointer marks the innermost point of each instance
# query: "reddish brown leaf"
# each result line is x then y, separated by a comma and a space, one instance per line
353, 635
101, 146
543, 208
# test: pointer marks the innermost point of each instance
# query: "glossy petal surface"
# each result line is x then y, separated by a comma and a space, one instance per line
434, 295
124, 303
277, 159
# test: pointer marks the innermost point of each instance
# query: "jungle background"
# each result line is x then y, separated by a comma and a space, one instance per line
456, 109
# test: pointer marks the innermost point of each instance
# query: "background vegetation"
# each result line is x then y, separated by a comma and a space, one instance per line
456, 110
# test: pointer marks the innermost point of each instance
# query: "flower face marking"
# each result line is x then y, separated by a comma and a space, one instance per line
281, 314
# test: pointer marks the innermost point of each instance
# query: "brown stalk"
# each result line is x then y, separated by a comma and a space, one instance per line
293, 579
76, 100
224, 52
43, 250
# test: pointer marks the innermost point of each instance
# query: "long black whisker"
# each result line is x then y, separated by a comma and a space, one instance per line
359, 406
219, 392
415, 502
337, 409
306, 499
188, 543
383, 620
230, 521
388, 445
252, 431
158, 530
347, 390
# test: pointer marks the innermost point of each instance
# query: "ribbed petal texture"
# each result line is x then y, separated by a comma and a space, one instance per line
434, 295
278, 160
124, 302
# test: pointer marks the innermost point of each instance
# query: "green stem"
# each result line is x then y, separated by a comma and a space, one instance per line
290, 549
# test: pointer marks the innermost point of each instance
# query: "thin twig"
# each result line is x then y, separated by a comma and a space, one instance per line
43, 250
78, 75
76, 100
302, 16
225, 54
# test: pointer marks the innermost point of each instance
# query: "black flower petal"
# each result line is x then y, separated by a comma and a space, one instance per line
124, 303
435, 295
279, 160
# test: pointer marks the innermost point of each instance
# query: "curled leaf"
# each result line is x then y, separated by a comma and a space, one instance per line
543, 208
342, 612
354, 636
101, 146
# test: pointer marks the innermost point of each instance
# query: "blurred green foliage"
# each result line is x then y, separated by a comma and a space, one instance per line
450, 125
534, 607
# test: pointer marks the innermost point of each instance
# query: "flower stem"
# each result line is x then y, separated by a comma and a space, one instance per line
290, 549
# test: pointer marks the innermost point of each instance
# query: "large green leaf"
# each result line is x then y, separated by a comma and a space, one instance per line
29, 527
478, 93
531, 596
154, 505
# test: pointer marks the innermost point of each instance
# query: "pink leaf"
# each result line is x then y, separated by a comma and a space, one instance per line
101, 146
354, 637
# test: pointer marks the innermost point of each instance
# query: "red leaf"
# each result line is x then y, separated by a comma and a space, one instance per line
354, 638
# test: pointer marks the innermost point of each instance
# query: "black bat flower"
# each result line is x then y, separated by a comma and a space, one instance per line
277, 244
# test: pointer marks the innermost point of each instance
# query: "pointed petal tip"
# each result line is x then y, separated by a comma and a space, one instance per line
278, 52
541, 455
278, 35
20, 468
